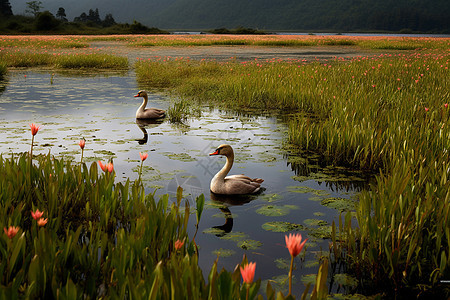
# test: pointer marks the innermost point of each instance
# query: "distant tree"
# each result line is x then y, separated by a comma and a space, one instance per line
109, 20
46, 21
82, 18
61, 14
5, 8
94, 16
34, 7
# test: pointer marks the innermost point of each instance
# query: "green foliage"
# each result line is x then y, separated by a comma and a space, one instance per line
102, 239
45, 21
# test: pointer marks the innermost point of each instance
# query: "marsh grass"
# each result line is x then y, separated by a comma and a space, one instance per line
18, 59
375, 43
3, 68
102, 239
386, 114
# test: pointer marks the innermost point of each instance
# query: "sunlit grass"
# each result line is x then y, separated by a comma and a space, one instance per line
42, 42
385, 113
20, 59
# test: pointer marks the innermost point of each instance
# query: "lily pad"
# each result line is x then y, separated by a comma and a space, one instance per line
341, 204
311, 264
307, 190
234, 236
345, 279
270, 197
275, 210
281, 226
213, 231
315, 222
282, 263
322, 232
179, 156
224, 252
249, 244
311, 278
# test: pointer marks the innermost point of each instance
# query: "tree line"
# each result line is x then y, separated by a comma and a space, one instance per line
38, 20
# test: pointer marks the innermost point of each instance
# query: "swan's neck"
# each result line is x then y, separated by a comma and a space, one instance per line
144, 104
226, 168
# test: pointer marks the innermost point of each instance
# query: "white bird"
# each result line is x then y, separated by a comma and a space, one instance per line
148, 113
233, 184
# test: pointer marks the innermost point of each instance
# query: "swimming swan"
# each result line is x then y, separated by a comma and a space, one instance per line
148, 113
233, 184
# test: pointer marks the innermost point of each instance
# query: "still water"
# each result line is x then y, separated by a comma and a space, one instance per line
101, 108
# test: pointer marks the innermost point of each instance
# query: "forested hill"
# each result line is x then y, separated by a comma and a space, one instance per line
336, 15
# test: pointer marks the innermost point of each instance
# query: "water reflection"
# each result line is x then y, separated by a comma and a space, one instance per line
3, 84
225, 201
147, 123
307, 166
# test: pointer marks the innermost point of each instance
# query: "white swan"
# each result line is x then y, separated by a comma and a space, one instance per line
233, 184
148, 113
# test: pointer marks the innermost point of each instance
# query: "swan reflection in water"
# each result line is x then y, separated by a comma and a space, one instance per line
226, 201
146, 123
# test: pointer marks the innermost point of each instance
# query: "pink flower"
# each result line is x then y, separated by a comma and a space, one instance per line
427, 109
143, 156
11, 231
108, 167
82, 143
248, 272
34, 128
178, 244
41, 222
294, 243
446, 105
37, 214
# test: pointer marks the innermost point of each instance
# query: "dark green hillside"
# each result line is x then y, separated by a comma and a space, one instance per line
340, 15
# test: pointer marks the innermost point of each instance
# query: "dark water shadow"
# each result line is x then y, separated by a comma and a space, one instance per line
3, 83
143, 124
225, 202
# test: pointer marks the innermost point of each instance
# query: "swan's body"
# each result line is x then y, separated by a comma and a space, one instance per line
148, 113
233, 184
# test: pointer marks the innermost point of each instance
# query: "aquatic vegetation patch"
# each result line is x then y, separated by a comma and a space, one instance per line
179, 156
341, 204
224, 252
275, 210
281, 226
345, 280
249, 244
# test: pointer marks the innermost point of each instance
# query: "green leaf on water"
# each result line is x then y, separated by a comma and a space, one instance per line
345, 279
311, 279
234, 236
282, 263
275, 210
224, 252
315, 222
249, 244
341, 204
281, 226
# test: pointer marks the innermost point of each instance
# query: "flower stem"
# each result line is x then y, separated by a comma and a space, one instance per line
290, 275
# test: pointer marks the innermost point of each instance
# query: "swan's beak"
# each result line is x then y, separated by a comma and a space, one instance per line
137, 95
215, 152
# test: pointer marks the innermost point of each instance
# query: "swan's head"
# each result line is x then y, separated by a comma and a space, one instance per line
223, 149
141, 93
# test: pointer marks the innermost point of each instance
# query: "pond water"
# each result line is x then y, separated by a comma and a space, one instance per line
101, 108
